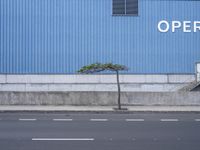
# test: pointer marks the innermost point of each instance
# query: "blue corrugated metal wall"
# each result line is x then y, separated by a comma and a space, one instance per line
60, 36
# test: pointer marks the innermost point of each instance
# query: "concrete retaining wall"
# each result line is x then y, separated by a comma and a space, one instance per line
47, 83
99, 98
91, 87
100, 79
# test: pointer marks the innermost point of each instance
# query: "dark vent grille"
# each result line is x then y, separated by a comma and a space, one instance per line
125, 7
132, 7
118, 7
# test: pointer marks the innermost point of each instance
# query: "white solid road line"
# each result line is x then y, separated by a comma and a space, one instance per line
62, 119
62, 139
197, 119
98, 119
168, 120
27, 119
134, 119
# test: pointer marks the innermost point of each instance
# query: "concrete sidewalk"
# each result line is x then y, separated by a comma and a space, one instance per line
103, 109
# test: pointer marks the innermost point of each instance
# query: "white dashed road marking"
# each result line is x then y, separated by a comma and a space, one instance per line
62, 119
62, 139
98, 119
165, 120
134, 119
27, 119
102, 119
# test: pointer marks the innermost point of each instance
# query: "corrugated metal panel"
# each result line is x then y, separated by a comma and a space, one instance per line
60, 36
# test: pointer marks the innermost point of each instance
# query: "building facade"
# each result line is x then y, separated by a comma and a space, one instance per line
56, 37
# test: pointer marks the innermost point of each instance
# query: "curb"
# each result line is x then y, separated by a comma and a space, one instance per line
97, 111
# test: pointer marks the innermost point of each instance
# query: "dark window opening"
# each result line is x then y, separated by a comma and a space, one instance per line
125, 7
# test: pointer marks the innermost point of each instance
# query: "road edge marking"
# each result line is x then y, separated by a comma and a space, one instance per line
63, 139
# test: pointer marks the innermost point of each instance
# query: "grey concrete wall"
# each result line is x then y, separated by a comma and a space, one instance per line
92, 87
99, 98
47, 83
99, 79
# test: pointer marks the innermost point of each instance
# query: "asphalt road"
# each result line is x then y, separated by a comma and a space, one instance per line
139, 131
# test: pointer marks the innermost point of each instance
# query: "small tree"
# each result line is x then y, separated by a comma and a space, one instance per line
98, 67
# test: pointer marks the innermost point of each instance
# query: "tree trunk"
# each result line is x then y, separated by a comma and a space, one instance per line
119, 90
